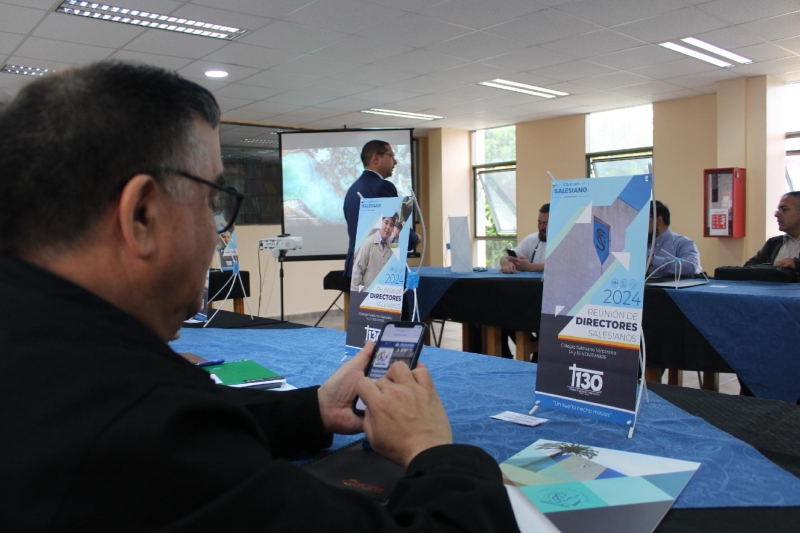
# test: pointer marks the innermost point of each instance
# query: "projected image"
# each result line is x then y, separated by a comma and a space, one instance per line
318, 168
314, 179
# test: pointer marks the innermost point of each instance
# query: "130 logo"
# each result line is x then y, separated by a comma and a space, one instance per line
583, 378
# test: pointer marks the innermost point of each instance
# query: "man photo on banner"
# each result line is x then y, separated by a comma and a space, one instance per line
227, 250
373, 254
379, 162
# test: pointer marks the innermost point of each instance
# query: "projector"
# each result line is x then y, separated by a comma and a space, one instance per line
280, 244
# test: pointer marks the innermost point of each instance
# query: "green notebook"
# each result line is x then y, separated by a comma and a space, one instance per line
245, 373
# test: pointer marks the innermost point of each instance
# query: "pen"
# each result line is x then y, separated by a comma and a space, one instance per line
211, 362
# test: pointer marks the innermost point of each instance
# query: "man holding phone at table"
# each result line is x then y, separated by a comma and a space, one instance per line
115, 201
783, 250
530, 254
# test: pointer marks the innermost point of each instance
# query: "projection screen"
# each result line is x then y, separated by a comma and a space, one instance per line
317, 169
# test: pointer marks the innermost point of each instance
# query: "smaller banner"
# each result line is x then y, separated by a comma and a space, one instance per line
202, 315
592, 296
379, 269
227, 250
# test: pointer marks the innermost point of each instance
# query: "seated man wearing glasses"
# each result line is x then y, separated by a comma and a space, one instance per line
783, 250
672, 254
113, 204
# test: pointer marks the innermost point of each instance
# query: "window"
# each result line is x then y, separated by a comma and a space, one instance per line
792, 99
631, 127
498, 145
793, 161
252, 165
793, 137
495, 192
619, 142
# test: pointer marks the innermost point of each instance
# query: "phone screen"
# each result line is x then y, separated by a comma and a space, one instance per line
511, 252
396, 343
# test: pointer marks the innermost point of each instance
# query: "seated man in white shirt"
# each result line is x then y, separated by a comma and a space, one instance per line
783, 250
531, 251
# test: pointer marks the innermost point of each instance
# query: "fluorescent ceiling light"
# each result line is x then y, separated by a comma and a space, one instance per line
147, 19
25, 71
259, 141
216, 73
401, 114
508, 87
524, 88
717, 50
697, 55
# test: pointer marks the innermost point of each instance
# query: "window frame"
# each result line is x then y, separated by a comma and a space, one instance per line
477, 170
789, 153
642, 152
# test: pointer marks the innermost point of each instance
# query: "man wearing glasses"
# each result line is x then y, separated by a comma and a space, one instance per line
379, 162
113, 204
783, 251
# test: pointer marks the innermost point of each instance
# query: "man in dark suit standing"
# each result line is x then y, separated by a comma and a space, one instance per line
379, 163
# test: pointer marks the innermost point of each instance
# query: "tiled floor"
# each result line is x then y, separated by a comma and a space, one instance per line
451, 339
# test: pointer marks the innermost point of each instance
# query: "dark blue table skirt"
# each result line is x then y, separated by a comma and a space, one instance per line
755, 327
473, 387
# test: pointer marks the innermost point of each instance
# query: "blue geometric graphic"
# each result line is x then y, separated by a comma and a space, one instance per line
602, 239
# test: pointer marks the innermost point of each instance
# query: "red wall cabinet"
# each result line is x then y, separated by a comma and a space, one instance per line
723, 194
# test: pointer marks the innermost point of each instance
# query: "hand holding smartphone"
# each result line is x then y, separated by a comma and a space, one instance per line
398, 341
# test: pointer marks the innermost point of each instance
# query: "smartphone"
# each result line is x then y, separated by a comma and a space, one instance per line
398, 341
511, 253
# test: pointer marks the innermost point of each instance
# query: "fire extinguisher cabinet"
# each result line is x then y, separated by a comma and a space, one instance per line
724, 202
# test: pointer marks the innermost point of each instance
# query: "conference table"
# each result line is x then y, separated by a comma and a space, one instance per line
746, 446
750, 328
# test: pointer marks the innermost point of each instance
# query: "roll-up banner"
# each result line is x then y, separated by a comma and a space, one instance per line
592, 296
379, 268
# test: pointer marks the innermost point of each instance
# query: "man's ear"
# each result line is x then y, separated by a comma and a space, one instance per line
138, 213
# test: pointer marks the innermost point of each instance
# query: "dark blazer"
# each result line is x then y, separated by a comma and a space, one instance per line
371, 185
768, 253
105, 428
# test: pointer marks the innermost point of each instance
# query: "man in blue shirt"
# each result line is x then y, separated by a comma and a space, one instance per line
672, 253
379, 163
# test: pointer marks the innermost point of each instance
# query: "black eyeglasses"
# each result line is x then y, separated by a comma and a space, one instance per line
225, 207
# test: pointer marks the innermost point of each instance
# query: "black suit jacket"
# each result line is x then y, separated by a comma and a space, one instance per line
105, 428
370, 185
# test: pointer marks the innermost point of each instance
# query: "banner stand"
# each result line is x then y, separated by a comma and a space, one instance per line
236, 276
377, 284
591, 350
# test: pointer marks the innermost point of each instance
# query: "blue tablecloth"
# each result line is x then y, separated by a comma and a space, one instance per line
755, 327
473, 387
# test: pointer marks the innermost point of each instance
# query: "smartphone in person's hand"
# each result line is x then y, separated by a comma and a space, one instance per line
511, 253
398, 341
